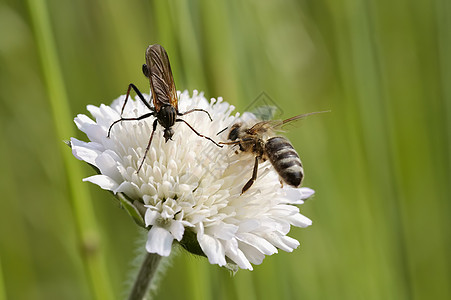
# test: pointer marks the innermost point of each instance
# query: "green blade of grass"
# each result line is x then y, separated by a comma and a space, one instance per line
2, 285
81, 202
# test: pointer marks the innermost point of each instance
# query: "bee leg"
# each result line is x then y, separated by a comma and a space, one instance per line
254, 176
195, 109
233, 144
129, 119
154, 126
281, 183
130, 86
230, 143
208, 138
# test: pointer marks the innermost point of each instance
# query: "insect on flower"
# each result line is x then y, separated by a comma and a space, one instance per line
260, 140
164, 97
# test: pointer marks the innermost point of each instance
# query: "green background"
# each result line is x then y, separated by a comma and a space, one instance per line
380, 161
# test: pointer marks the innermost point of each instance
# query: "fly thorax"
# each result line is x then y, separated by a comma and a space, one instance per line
166, 116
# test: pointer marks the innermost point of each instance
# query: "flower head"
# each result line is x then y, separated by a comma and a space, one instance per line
189, 188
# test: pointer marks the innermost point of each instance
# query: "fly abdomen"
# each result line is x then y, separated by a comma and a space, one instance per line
285, 160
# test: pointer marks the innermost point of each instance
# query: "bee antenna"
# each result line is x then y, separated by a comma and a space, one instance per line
222, 130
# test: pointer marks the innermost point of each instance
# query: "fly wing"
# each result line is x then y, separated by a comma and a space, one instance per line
160, 76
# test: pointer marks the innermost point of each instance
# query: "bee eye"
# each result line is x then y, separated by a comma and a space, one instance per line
145, 70
233, 135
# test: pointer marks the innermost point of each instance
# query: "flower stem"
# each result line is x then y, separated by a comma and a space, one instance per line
146, 274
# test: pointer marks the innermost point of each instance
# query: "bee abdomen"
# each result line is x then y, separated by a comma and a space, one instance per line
285, 160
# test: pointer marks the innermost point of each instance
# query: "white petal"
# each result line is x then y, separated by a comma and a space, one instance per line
84, 151
293, 195
290, 242
282, 241
300, 220
249, 225
103, 181
236, 255
95, 111
94, 132
148, 189
107, 164
252, 254
241, 260
258, 242
285, 210
307, 192
223, 231
213, 249
281, 225
159, 241
83, 120
103, 112
151, 216
177, 229
128, 188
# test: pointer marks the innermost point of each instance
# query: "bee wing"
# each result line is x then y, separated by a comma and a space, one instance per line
263, 126
277, 125
160, 75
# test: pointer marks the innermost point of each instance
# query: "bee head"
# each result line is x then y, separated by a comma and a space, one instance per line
234, 132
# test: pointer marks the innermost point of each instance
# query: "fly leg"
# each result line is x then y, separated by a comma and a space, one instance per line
141, 97
208, 138
154, 126
143, 100
195, 109
129, 119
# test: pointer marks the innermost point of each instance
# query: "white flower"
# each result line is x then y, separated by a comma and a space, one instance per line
191, 188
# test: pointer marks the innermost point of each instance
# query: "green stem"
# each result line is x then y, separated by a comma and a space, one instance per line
146, 274
93, 262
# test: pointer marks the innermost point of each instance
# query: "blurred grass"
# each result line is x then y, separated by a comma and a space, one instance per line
88, 240
380, 162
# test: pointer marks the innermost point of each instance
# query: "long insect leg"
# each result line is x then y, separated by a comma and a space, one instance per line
195, 109
181, 120
130, 86
129, 119
254, 176
154, 127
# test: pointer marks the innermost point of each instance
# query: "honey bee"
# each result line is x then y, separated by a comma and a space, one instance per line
260, 140
164, 97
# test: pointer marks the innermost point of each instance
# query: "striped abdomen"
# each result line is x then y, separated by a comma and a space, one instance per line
285, 160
